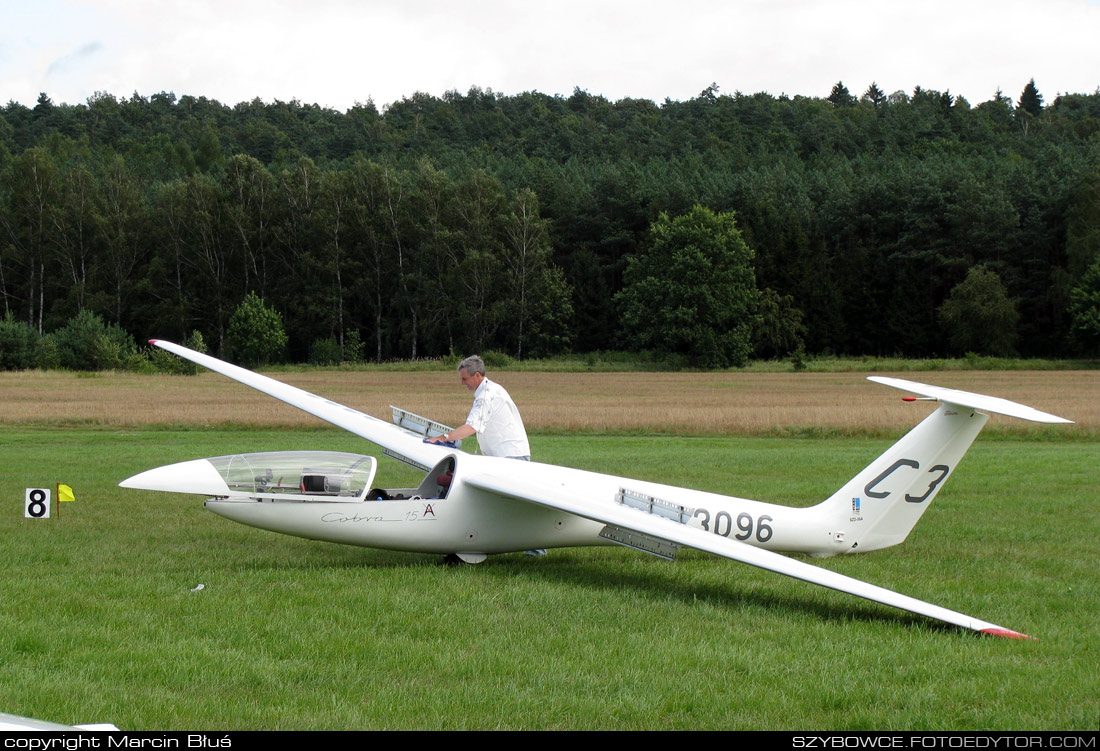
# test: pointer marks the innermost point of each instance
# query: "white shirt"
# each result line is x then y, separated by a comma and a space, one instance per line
495, 418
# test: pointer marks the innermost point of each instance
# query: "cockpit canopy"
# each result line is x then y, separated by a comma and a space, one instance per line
320, 475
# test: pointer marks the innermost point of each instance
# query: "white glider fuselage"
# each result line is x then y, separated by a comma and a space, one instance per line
468, 519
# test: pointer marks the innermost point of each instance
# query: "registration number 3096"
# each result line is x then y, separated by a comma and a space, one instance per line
724, 523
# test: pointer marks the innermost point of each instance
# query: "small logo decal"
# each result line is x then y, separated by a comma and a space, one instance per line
855, 505
428, 509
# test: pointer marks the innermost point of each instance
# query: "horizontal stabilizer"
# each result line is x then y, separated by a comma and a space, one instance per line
971, 400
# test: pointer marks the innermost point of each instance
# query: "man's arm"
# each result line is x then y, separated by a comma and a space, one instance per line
457, 434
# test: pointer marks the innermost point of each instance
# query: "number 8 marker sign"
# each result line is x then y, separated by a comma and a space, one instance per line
37, 505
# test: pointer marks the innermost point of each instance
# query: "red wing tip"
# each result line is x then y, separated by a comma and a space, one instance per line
1006, 633
154, 341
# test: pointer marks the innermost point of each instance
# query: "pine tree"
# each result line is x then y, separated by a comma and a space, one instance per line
1031, 101
840, 97
874, 95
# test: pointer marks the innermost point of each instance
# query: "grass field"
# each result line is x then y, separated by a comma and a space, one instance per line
98, 620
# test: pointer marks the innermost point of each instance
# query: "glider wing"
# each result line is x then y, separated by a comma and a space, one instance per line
672, 531
395, 440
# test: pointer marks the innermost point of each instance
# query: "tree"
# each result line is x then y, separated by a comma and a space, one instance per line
592, 302
73, 219
32, 188
197, 227
477, 255
692, 292
979, 316
256, 336
209, 150
840, 97
1031, 101
122, 208
369, 186
429, 254
1084, 310
779, 328
249, 190
540, 296
18, 344
1030, 106
874, 95
1083, 224
87, 343
551, 314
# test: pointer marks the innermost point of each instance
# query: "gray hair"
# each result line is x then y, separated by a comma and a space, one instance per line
472, 364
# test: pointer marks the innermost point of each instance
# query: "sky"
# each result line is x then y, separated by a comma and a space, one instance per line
337, 53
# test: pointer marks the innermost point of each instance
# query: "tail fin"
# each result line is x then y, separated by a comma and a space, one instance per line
880, 506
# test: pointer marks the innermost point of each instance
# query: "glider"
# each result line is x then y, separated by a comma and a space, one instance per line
474, 506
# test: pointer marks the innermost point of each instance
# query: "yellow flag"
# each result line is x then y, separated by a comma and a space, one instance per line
65, 493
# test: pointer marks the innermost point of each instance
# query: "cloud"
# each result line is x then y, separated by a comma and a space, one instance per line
72, 62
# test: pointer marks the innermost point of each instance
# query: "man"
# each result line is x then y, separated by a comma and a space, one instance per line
493, 417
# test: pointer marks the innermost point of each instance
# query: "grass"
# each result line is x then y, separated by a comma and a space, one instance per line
98, 620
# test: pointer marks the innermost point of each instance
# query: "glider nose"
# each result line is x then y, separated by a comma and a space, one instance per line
197, 476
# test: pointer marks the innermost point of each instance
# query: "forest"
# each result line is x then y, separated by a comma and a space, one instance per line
913, 224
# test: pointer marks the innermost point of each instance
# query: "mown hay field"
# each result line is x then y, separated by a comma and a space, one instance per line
728, 403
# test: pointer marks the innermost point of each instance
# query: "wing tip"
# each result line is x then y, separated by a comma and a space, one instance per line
1006, 633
